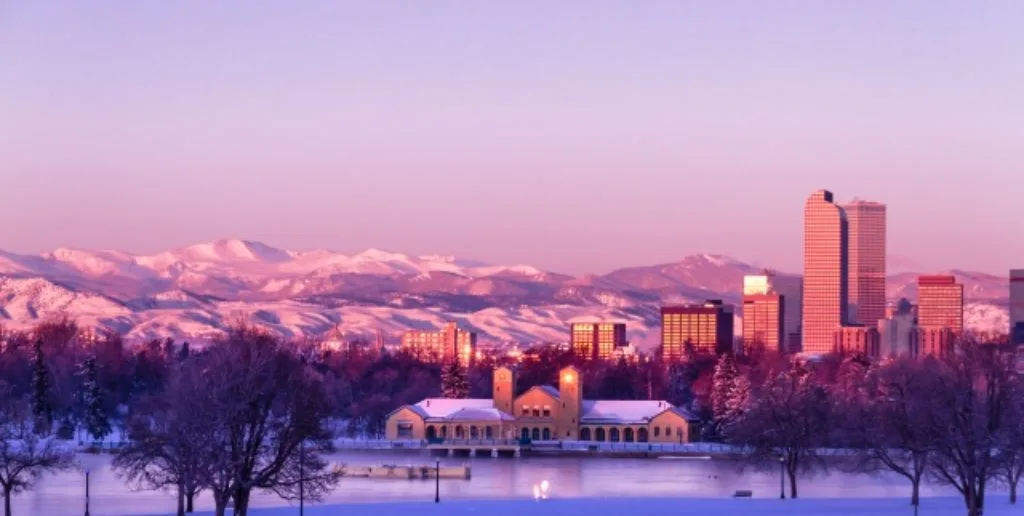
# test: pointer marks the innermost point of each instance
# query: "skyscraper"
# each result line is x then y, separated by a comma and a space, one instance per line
763, 321
940, 312
825, 272
791, 290
866, 276
441, 345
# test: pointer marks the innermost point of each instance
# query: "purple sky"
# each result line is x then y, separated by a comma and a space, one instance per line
575, 136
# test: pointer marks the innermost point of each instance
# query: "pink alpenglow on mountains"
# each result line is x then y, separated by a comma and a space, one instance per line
193, 292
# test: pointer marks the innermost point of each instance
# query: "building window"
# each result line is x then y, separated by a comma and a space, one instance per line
536, 412
404, 430
657, 431
547, 412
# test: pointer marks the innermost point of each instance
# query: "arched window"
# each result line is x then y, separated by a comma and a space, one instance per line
444, 432
431, 432
585, 434
474, 432
668, 431
657, 431
627, 435
489, 432
525, 433
641, 435
614, 435
599, 434
547, 434
535, 434
460, 432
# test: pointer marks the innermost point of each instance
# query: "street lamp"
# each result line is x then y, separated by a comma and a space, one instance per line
437, 482
87, 492
782, 478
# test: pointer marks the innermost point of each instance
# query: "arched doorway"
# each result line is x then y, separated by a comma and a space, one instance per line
431, 432
489, 432
599, 435
627, 435
614, 435
585, 434
641, 435
444, 432
460, 432
474, 432
525, 434
547, 434
535, 434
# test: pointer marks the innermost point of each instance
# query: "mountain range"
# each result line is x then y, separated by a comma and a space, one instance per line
193, 292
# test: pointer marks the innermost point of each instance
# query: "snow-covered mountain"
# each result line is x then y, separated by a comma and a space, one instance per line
196, 290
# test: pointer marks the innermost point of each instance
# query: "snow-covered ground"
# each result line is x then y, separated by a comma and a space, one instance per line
654, 507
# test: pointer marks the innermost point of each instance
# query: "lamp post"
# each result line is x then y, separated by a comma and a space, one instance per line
302, 478
782, 478
87, 492
437, 482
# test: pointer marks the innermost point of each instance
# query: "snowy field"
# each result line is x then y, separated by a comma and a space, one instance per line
654, 507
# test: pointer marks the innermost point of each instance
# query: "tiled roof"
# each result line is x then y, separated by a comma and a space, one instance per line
443, 407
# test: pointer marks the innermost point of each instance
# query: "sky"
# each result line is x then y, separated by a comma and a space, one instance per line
577, 136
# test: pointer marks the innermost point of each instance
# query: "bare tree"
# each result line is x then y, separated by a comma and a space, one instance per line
970, 406
269, 409
170, 442
787, 421
893, 427
25, 456
1011, 441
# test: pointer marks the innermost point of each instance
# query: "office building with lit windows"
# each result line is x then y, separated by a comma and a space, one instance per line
826, 272
866, 254
441, 346
940, 312
763, 324
790, 289
706, 328
593, 339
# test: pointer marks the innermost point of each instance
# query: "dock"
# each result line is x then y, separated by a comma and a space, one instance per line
395, 472
477, 447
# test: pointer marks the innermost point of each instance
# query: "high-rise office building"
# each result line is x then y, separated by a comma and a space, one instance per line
597, 340
825, 272
441, 345
1017, 306
791, 290
940, 312
704, 328
763, 324
866, 254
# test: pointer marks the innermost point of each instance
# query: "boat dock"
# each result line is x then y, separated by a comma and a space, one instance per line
477, 448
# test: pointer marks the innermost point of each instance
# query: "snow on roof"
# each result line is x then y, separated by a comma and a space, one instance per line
444, 407
550, 390
478, 414
623, 411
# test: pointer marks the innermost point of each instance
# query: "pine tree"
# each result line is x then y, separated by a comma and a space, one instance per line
96, 422
723, 381
454, 380
739, 397
41, 406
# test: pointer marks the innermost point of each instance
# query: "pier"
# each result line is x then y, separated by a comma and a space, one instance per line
477, 447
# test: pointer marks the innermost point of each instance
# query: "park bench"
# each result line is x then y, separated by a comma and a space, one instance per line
743, 493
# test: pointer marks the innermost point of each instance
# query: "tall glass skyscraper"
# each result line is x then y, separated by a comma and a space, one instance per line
866, 280
1017, 306
826, 270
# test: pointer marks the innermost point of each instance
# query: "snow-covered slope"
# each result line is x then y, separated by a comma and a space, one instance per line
196, 290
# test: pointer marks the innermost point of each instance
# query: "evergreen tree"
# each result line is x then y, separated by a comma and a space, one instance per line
736, 404
96, 422
454, 380
42, 408
723, 382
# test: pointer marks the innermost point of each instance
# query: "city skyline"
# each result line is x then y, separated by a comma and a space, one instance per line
156, 125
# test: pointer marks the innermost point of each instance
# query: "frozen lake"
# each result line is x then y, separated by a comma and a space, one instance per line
503, 478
